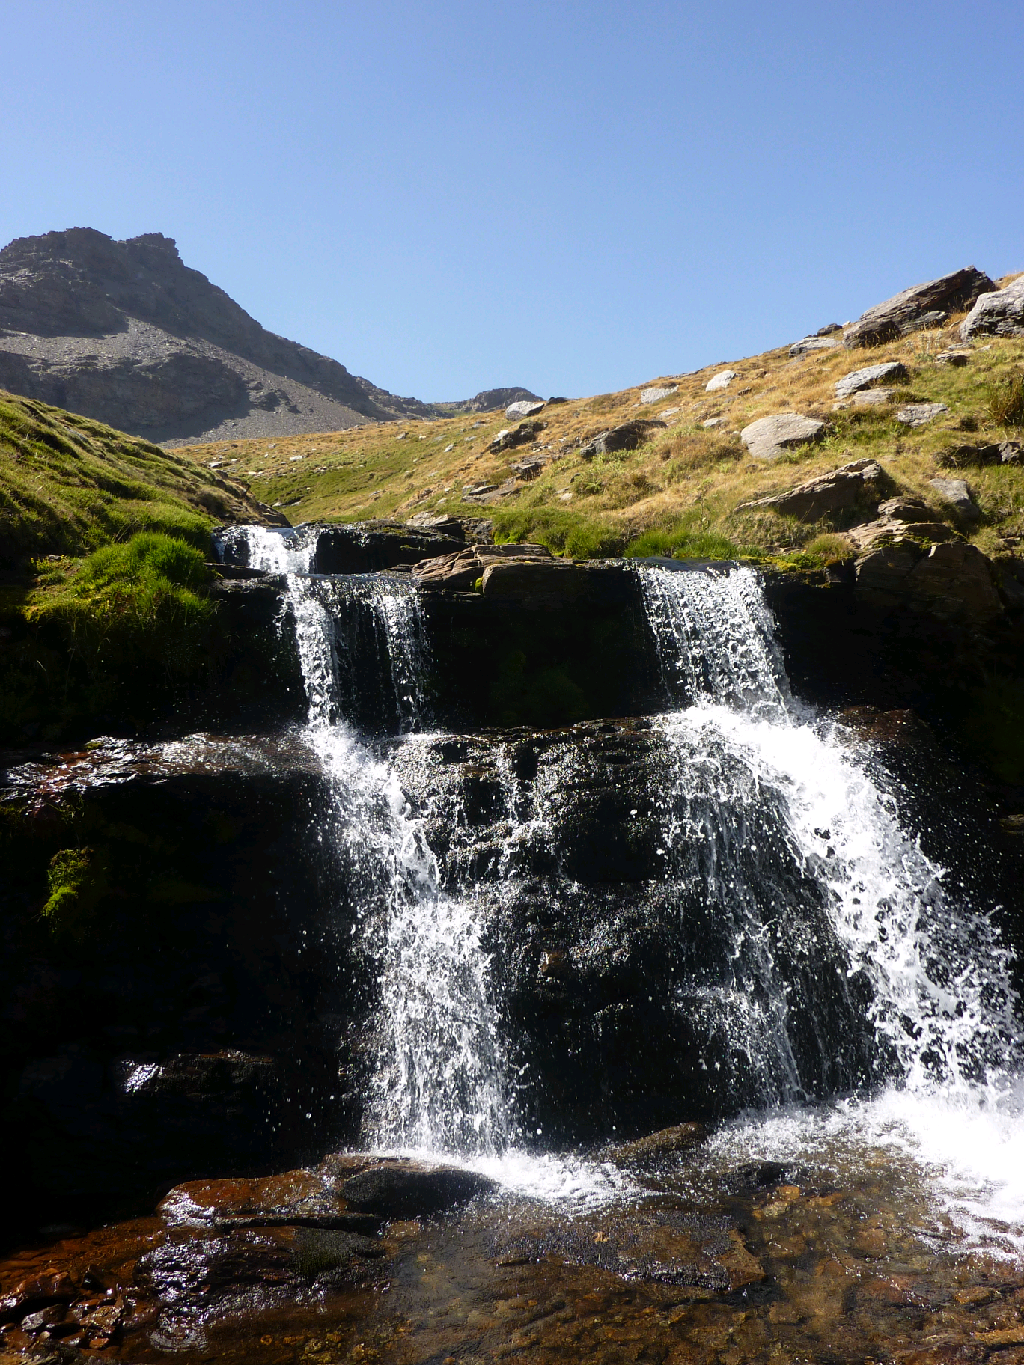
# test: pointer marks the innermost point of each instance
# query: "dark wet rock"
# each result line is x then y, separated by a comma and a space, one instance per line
34, 1295
301, 1198
851, 489
891, 372
921, 305
628, 436
953, 580
660, 1247
682, 1137
535, 583
758, 1175
997, 313
768, 437
396, 1190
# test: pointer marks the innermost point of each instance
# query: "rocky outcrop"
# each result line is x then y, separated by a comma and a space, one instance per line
899, 518
628, 436
953, 580
656, 393
459, 572
853, 488
999, 313
521, 435
126, 333
768, 437
922, 305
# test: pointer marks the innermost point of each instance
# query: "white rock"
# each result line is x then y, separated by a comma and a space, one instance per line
768, 437
869, 375
721, 380
712, 422
653, 395
524, 408
916, 414
807, 344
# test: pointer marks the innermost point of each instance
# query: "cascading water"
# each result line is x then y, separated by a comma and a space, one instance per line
815, 952
934, 976
438, 1084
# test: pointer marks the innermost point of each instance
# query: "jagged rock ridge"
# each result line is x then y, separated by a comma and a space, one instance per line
126, 333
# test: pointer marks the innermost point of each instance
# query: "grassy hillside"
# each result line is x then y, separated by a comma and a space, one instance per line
682, 490
69, 485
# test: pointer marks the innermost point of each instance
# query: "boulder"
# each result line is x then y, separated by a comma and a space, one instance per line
847, 489
628, 436
921, 305
721, 380
806, 345
871, 398
768, 437
655, 394
682, 1137
521, 435
956, 356
1011, 452
917, 414
891, 370
523, 408
412, 1189
999, 313
956, 493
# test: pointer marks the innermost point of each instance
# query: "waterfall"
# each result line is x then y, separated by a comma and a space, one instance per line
438, 1084
941, 1004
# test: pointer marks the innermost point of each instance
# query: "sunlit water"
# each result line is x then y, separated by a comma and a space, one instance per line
945, 1097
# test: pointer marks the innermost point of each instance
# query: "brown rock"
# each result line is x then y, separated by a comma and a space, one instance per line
296, 1198
458, 572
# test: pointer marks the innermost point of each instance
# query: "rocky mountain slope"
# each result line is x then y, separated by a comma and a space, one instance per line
125, 333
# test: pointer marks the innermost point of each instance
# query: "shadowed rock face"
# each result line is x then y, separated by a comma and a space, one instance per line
126, 333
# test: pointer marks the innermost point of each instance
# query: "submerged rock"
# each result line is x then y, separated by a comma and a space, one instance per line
399, 1189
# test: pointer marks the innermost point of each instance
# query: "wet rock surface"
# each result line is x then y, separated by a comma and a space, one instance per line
708, 1260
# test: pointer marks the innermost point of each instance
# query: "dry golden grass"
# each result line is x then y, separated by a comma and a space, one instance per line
685, 475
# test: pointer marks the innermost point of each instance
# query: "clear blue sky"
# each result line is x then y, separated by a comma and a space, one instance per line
571, 196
